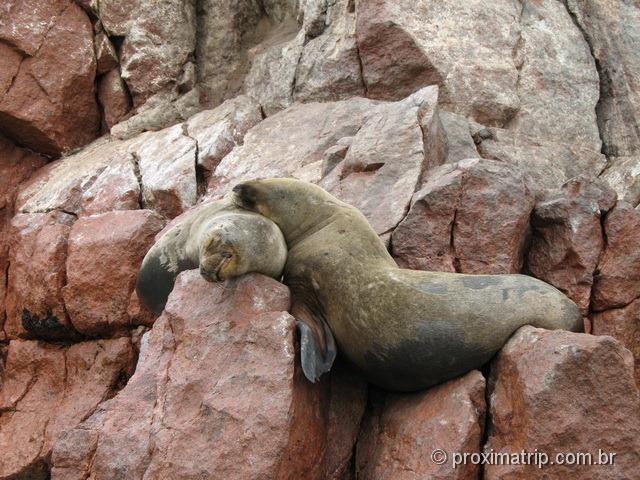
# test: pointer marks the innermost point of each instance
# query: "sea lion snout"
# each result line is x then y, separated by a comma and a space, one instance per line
244, 196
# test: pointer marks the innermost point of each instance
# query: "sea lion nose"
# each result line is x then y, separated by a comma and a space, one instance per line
239, 189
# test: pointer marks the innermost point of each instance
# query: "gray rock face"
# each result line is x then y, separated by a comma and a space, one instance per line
612, 28
384, 148
158, 41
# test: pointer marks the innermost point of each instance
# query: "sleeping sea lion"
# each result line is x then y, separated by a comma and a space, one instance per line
220, 239
403, 329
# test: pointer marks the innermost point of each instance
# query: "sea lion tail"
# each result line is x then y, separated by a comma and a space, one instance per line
569, 318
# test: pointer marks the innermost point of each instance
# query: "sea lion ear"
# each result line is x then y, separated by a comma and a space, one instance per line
314, 361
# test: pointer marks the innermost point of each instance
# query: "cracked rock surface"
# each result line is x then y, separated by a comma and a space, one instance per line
476, 137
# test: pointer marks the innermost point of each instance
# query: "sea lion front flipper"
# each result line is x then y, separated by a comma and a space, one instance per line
314, 361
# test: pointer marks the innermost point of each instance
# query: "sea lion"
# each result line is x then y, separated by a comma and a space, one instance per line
220, 239
404, 329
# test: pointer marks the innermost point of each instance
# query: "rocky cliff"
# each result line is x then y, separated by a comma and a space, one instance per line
476, 137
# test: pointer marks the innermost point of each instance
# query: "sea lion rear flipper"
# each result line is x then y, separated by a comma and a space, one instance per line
314, 361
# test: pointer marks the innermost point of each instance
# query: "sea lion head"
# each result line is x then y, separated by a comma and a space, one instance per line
294, 205
239, 243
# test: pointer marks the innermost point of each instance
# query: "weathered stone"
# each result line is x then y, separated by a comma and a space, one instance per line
460, 144
38, 251
329, 66
63, 184
623, 324
219, 130
470, 217
401, 432
623, 175
157, 113
159, 41
547, 165
16, 165
392, 144
167, 163
546, 386
612, 28
24, 24
114, 98
272, 75
104, 256
211, 344
617, 282
291, 143
387, 156
47, 389
568, 238
115, 188
48, 101
552, 55
472, 65
106, 56
227, 31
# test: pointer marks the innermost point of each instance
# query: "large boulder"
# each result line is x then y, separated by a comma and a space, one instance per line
47, 83
99, 178
16, 165
498, 70
469, 217
617, 281
104, 255
36, 277
47, 389
166, 162
186, 413
361, 151
568, 237
158, 40
623, 324
547, 164
556, 392
415, 436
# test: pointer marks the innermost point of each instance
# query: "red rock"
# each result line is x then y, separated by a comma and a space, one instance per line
138, 313
387, 157
219, 130
25, 23
623, 175
167, 166
38, 252
106, 56
158, 40
617, 282
47, 389
16, 165
105, 253
568, 239
402, 431
114, 98
379, 41
50, 103
470, 217
61, 184
116, 187
563, 392
623, 324
186, 413
547, 164
436, 51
